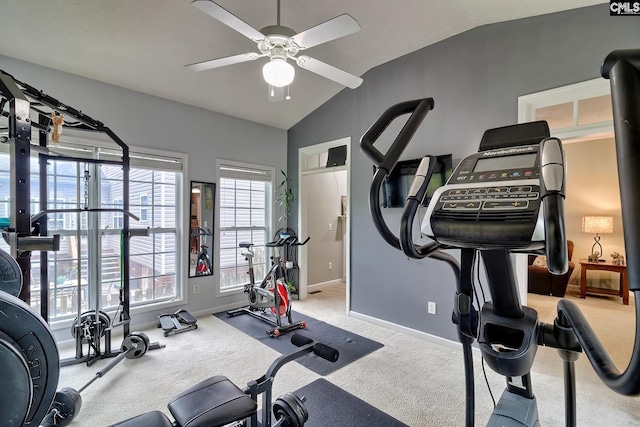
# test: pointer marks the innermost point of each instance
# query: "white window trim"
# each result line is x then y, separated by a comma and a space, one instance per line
528, 104
99, 140
270, 220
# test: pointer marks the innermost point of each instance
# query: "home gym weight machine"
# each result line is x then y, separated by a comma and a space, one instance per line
273, 292
23, 100
508, 198
27, 232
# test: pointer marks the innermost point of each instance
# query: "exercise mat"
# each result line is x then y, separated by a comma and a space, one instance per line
351, 346
331, 406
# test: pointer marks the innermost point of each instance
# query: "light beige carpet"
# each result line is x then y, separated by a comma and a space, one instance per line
416, 381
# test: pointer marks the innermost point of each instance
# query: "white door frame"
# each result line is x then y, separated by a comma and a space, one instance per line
303, 153
527, 105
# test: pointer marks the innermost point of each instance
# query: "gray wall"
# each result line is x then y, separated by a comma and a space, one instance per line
323, 208
475, 79
147, 121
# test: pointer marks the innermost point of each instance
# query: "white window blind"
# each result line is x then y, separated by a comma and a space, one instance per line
245, 212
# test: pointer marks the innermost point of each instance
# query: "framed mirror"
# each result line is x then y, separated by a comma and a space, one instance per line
203, 197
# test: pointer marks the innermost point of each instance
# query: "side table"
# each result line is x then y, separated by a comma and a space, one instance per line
623, 292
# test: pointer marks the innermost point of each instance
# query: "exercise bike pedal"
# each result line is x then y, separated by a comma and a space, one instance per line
279, 330
178, 322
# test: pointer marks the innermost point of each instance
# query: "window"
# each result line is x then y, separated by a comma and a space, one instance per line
89, 260
245, 215
144, 201
118, 217
572, 112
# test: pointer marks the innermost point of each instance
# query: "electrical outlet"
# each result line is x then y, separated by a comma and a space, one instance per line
330, 266
431, 307
196, 289
330, 226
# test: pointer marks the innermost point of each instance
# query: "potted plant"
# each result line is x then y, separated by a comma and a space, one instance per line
285, 199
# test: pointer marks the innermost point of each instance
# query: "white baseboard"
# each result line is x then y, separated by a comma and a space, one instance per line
409, 331
323, 285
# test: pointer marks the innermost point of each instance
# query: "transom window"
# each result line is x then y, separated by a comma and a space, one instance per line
572, 111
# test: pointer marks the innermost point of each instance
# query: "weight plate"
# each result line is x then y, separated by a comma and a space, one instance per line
33, 337
135, 345
292, 408
88, 325
10, 274
15, 383
66, 405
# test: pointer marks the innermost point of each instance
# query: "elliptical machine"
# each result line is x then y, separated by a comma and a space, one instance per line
508, 198
273, 292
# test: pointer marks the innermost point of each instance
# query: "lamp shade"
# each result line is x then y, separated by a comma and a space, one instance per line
278, 72
597, 224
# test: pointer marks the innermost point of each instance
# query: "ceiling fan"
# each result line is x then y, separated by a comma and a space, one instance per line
280, 44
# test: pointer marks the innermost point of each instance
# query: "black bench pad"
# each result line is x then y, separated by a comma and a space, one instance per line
213, 402
150, 419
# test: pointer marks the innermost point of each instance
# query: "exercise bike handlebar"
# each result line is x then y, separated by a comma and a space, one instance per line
198, 231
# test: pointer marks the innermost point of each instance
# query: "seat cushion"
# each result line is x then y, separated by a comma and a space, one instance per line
213, 402
150, 419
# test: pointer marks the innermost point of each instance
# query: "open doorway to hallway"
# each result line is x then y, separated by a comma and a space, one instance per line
323, 214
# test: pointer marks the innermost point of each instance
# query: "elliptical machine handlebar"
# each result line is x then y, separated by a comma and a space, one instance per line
552, 189
385, 164
622, 68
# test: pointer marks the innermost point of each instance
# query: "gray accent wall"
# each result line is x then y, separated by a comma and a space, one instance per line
475, 79
142, 120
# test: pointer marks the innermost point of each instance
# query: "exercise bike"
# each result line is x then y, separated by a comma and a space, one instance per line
203, 262
272, 293
509, 199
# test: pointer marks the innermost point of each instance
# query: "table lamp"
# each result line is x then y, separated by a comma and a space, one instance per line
597, 225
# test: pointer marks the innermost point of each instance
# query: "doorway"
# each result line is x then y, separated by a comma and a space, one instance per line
323, 206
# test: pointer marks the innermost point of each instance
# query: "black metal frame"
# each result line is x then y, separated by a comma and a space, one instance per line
23, 99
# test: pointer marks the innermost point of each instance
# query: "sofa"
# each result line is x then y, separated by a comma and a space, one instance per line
544, 283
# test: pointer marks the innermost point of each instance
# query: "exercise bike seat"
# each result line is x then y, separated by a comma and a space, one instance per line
246, 245
213, 402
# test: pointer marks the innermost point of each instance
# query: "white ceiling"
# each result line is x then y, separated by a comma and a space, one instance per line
144, 45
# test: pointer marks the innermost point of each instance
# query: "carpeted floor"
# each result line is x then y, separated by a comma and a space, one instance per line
417, 382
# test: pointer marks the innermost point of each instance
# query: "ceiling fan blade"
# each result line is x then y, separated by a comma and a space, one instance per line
329, 71
221, 62
332, 29
223, 15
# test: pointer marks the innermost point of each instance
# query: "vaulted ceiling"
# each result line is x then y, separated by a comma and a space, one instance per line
144, 45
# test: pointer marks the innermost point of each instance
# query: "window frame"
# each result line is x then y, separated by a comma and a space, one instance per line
74, 140
573, 93
269, 221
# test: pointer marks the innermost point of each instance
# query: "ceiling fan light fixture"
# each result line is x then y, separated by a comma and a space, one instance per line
278, 72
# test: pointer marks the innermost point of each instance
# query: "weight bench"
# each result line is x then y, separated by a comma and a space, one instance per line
213, 402
216, 401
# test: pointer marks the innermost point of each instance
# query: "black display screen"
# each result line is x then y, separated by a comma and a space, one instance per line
520, 161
